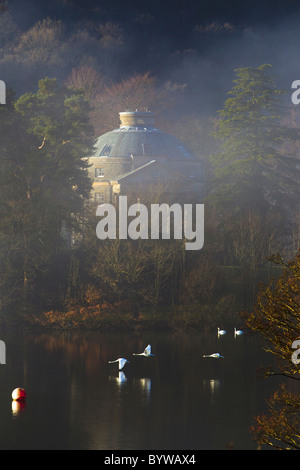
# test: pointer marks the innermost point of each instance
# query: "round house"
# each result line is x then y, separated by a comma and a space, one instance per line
137, 156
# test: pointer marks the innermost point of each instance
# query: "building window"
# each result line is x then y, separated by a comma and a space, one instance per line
99, 172
105, 151
99, 198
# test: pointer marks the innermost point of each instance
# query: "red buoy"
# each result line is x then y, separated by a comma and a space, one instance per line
18, 394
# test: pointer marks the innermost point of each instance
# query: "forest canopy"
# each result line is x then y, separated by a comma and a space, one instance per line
68, 77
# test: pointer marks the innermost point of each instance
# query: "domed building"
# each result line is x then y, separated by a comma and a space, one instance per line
140, 159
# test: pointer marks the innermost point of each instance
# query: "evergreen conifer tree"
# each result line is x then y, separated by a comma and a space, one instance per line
44, 139
253, 170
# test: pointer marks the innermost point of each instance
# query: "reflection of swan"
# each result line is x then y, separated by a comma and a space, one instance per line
214, 384
214, 355
238, 332
121, 378
221, 332
145, 384
121, 362
146, 352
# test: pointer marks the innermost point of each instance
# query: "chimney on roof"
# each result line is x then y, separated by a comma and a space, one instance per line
137, 119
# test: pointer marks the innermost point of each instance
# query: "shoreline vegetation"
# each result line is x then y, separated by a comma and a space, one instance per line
120, 317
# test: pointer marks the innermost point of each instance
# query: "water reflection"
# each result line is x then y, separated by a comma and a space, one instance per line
17, 408
145, 384
119, 379
213, 385
78, 402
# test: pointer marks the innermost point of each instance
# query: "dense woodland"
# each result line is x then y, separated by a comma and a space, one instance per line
67, 82
69, 71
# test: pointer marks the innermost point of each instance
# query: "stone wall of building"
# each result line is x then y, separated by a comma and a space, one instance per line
123, 156
108, 168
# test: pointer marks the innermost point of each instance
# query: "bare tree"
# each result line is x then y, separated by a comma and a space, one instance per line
136, 93
87, 79
251, 245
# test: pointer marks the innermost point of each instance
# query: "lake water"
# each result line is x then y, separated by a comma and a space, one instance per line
176, 400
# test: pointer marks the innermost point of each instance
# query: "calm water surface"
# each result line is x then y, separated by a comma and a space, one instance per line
174, 401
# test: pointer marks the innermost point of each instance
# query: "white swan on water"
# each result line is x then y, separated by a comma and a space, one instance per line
221, 332
146, 352
238, 332
121, 362
214, 355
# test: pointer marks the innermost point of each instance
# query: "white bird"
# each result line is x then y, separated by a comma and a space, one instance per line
146, 352
121, 362
214, 355
238, 332
221, 332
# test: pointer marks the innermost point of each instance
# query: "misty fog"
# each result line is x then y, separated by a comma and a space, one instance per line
198, 46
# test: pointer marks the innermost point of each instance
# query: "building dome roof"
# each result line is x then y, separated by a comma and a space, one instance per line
138, 136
